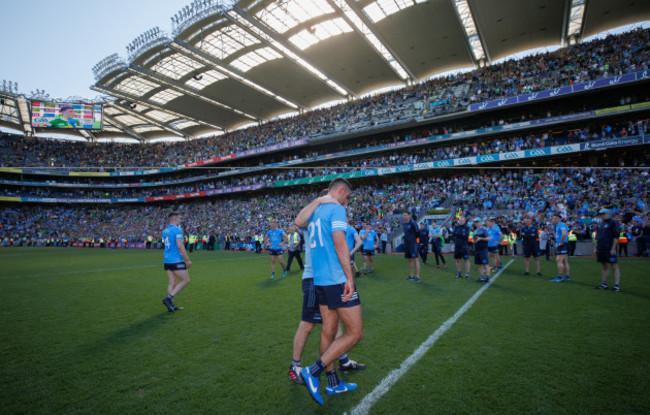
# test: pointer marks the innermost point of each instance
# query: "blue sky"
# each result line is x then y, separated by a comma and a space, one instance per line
53, 45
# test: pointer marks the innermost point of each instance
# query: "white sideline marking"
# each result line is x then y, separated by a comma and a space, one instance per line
392, 378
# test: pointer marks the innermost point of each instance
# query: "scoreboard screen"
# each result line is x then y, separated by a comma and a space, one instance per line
66, 115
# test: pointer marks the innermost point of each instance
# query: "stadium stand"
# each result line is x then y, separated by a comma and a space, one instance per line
121, 192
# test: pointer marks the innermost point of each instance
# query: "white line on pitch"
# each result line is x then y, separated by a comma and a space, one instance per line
392, 378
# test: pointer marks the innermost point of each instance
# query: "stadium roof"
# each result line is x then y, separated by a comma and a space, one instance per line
227, 64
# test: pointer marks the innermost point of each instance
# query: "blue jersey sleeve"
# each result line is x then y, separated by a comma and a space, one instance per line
339, 219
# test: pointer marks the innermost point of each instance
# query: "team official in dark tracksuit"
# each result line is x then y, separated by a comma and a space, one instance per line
605, 248
530, 244
423, 242
460, 236
410, 229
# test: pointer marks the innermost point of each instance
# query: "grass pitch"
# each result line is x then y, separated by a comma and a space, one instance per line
84, 331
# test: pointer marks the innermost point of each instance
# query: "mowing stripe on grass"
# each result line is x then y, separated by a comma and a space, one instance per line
91, 270
392, 378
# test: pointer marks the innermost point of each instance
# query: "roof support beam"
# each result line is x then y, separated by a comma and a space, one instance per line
473, 35
575, 22
244, 20
185, 89
358, 19
23, 113
132, 98
125, 128
147, 119
88, 135
228, 70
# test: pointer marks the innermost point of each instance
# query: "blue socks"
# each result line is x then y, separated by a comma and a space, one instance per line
317, 368
343, 360
332, 379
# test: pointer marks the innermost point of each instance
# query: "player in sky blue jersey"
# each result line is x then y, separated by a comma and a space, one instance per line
275, 238
494, 243
370, 243
354, 243
561, 249
310, 305
335, 289
173, 261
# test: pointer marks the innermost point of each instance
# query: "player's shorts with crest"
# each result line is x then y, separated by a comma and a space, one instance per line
481, 257
606, 257
530, 249
332, 296
368, 252
493, 249
276, 252
461, 252
177, 266
562, 249
410, 251
310, 304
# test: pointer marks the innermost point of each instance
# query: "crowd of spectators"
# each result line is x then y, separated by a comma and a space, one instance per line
613, 55
387, 159
577, 194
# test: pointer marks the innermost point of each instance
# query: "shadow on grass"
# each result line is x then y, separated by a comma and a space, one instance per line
123, 336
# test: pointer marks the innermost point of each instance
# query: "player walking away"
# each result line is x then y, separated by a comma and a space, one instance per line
460, 236
275, 238
481, 253
310, 306
294, 249
410, 229
561, 249
370, 242
173, 261
494, 243
354, 243
529, 242
335, 290
423, 242
436, 243
605, 249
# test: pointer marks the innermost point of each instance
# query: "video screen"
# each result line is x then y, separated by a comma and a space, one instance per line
64, 115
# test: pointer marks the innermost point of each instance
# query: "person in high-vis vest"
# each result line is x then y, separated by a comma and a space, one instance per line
258, 244
260, 241
294, 249
623, 239
512, 241
573, 240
